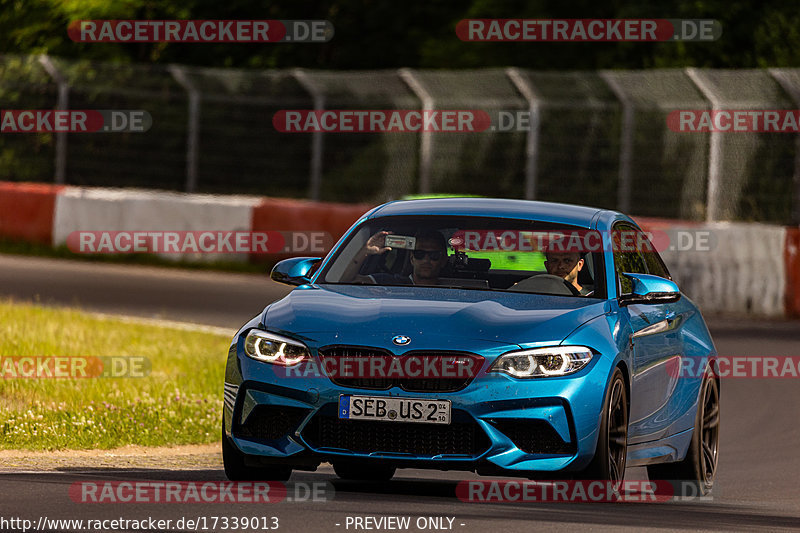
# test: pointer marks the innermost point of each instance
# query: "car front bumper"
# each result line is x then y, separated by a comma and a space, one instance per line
499, 423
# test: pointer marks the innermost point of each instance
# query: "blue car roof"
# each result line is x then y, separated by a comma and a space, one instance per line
497, 208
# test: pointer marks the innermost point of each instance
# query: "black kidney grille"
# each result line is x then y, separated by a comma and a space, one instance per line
462, 438
354, 353
270, 422
428, 384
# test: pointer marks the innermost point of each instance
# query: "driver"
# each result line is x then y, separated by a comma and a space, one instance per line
566, 265
428, 258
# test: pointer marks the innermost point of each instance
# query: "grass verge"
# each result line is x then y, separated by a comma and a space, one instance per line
178, 402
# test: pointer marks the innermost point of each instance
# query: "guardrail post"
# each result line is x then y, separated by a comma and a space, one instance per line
317, 144
528, 92
624, 186
62, 104
715, 148
426, 138
193, 126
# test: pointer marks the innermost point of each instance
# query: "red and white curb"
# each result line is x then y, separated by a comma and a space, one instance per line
752, 269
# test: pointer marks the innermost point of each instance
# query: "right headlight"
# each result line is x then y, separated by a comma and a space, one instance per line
543, 362
276, 349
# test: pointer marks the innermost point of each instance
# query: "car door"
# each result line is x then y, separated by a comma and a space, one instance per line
655, 340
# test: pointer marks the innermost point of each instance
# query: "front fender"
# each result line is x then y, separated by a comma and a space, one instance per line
610, 338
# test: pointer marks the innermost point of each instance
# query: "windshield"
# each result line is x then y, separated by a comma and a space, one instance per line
467, 253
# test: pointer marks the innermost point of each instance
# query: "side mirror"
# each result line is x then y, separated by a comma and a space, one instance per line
294, 271
649, 289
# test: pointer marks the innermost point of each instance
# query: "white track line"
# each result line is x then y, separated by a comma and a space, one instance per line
163, 323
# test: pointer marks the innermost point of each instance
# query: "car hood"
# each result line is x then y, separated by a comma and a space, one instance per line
434, 318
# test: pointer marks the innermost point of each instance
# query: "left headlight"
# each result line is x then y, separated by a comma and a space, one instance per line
271, 348
543, 362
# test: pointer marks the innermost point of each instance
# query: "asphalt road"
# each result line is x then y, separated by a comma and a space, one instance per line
205, 297
758, 483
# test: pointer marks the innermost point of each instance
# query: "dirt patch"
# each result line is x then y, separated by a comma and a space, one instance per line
197, 457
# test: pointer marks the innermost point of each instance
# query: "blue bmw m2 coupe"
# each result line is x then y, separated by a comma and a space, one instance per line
505, 337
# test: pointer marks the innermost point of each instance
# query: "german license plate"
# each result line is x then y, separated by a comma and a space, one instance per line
393, 409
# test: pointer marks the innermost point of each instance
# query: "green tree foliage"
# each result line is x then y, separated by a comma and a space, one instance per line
386, 34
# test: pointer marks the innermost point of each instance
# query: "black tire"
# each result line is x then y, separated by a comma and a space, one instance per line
237, 470
694, 476
610, 454
363, 471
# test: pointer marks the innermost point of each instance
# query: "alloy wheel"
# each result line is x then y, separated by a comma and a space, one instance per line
617, 433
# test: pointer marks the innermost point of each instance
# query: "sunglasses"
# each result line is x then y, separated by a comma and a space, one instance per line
435, 255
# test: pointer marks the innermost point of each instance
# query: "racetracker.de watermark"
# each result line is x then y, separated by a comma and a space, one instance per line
73, 367
582, 241
734, 120
752, 367
182, 492
200, 31
410, 366
75, 121
576, 491
588, 30
199, 242
381, 120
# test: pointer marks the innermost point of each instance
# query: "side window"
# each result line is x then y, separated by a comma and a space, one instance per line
655, 265
627, 257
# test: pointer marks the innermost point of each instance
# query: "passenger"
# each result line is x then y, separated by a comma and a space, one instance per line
428, 258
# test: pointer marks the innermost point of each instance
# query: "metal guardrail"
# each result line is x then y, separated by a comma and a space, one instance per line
598, 138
